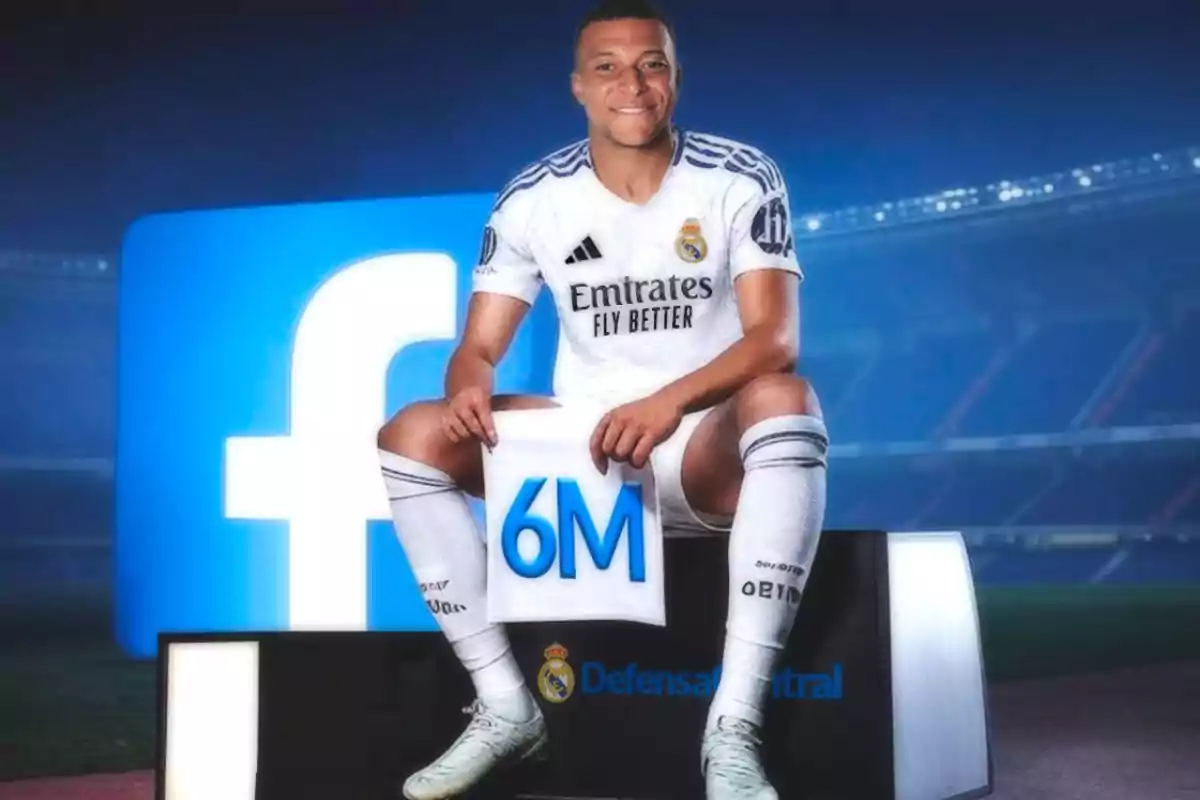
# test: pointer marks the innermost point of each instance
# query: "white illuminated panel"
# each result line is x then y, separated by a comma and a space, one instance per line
212, 721
323, 477
939, 703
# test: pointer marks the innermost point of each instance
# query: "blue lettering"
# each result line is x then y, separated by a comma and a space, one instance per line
593, 677
629, 680
786, 684
573, 513
829, 687
789, 685
626, 513
517, 521
622, 681
679, 684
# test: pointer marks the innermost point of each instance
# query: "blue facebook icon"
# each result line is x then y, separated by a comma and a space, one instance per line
260, 349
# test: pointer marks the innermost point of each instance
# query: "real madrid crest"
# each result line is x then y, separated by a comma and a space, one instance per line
690, 245
556, 679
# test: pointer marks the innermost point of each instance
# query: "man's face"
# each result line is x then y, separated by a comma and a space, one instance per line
625, 79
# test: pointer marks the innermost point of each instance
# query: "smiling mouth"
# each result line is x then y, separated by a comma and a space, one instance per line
632, 111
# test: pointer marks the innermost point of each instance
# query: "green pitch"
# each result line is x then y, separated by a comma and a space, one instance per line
1041, 631
70, 703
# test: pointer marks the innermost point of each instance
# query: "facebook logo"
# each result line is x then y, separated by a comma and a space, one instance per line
556, 542
260, 350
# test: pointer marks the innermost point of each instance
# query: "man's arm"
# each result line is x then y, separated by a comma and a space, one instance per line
766, 275
506, 282
768, 301
769, 305
492, 322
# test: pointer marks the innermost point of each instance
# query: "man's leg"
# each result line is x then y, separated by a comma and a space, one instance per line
762, 457
427, 476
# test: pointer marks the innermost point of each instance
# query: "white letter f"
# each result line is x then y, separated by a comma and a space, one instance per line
324, 478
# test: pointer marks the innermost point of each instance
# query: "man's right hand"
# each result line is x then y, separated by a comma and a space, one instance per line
468, 415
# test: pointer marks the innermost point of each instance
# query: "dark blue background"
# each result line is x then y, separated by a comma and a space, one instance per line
1064, 316
104, 117
1071, 317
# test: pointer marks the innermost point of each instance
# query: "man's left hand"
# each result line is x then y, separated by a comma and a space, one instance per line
630, 432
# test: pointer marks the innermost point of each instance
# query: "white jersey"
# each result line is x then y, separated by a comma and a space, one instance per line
644, 293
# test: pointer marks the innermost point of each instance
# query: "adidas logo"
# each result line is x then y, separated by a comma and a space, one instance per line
586, 251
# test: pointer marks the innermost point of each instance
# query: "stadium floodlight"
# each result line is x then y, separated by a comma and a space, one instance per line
1162, 166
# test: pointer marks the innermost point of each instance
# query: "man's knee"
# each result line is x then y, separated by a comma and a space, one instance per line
773, 396
416, 432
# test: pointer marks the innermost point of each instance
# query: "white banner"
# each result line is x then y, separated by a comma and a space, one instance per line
564, 541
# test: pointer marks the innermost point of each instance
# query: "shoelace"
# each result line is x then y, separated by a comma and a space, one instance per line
478, 730
733, 755
480, 714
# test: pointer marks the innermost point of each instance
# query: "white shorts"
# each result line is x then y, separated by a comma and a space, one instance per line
667, 462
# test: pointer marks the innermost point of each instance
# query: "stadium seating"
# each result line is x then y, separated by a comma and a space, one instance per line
934, 346
1167, 391
909, 390
1162, 561
1048, 378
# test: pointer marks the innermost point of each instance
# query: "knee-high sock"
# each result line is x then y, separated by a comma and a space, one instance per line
775, 533
448, 557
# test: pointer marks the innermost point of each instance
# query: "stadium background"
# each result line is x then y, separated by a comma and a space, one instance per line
996, 210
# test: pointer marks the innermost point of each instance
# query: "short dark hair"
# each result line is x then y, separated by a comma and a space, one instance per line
608, 10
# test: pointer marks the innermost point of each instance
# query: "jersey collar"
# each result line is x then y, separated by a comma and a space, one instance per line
678, 141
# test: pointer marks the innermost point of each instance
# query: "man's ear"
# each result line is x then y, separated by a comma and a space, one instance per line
678, 78
577, 87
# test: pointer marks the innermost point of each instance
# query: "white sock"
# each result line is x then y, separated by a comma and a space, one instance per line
771, 548
448, 557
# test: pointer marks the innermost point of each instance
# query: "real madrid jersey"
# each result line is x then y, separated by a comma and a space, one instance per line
644, 293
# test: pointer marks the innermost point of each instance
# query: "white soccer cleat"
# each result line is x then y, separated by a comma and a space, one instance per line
730, 762
490, 742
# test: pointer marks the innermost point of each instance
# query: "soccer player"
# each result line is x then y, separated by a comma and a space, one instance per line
669, 255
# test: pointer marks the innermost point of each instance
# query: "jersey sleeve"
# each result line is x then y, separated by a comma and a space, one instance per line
760, 227
506, 262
